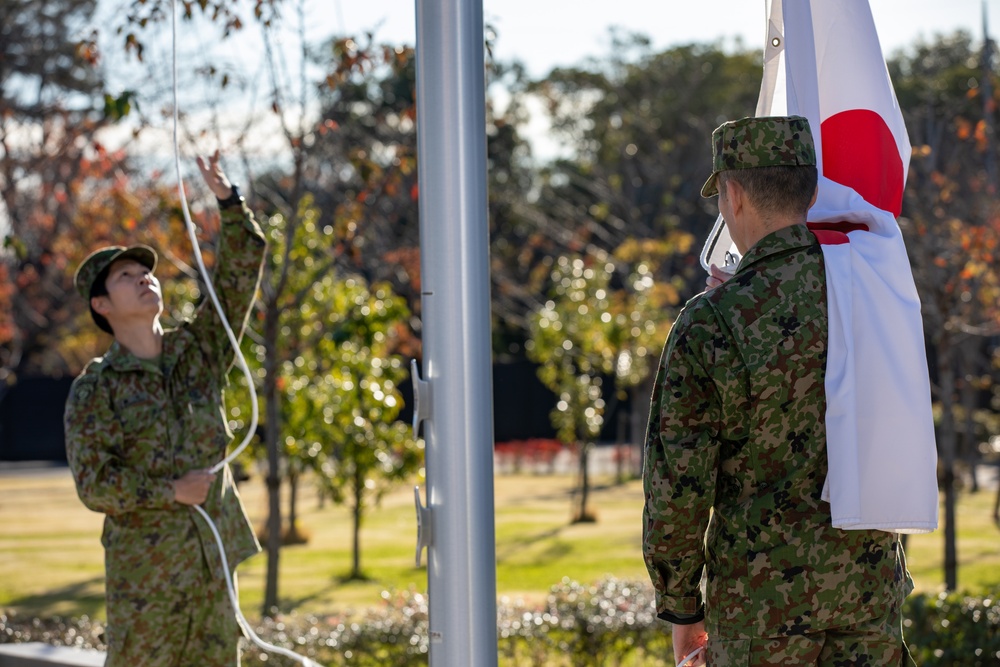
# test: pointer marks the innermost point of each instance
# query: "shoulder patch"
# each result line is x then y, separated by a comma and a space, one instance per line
86, 382
83, 390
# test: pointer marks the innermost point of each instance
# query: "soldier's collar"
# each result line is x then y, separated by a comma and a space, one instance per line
782, 240
120, 359
174, 344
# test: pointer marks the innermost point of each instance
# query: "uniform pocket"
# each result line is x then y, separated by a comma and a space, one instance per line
118, 630
728, 652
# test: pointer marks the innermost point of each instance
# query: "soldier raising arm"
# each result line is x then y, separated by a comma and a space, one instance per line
144, 423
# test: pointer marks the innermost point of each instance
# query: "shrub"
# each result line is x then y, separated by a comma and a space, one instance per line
610, 623
953, 629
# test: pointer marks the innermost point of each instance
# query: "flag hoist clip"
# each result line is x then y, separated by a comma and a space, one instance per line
421, 411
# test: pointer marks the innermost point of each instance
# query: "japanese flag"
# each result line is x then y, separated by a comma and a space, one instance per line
823, 61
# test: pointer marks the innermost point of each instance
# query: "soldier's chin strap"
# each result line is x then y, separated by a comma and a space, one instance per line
241, 361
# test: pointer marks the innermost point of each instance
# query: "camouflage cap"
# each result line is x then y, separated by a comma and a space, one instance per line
102, 258
770, 141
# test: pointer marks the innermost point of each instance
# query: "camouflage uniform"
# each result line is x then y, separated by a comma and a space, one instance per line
734, 469
135, 425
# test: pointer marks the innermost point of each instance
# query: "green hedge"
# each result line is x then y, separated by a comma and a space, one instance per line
953, 629
609, 624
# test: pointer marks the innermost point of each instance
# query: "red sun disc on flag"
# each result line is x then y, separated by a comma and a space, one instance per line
860, 152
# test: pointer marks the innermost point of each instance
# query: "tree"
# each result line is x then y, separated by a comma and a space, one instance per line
298, 259
523, 240
368, 126
356, 401
336, 213
335, 384
48, 122
65, 191
357, 160
644, 309
638, 125
952, 230
587, 333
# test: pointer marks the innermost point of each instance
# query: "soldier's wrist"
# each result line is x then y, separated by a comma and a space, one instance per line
683, 619
234, 199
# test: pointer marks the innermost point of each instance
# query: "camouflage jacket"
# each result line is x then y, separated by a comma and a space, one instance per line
133, 425
736, 460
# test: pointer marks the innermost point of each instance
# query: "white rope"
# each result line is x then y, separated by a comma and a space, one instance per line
192, 234
241, 361
689, 658
236, 603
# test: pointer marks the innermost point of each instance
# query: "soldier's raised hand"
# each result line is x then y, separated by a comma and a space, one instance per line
215, 177
716, 276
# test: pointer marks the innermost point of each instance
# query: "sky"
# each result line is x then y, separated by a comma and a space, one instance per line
547, 33
542, 34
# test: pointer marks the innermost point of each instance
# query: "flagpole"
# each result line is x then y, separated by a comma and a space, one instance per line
455, 397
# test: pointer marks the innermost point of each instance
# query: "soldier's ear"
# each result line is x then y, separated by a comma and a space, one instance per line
101, 305
736, 195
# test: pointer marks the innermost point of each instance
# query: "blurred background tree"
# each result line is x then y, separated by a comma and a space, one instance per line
50, 162
598, 327
339, 198
947, 90
571, 340
367, 450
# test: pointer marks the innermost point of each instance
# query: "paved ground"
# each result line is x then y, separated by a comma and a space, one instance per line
13, 468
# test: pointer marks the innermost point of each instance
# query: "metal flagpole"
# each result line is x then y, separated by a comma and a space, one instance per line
455, 397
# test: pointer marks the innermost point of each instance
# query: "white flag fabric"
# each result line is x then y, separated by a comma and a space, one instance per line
823, 61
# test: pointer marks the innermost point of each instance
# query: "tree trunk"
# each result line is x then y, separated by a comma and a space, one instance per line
293, 488
581, 513
358, 510
946, 371
996, 508
969, 444
271, 431
621, 448
970, 368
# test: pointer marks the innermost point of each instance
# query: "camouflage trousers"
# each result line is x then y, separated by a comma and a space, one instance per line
877, 643
194, 628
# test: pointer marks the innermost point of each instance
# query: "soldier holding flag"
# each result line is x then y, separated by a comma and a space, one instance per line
143, 424
736, 443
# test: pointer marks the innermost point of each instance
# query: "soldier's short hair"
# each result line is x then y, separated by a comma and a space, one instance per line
780, 190
100, 288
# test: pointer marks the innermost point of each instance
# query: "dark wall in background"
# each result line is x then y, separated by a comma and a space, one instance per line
31, 420
31, 412
521, 403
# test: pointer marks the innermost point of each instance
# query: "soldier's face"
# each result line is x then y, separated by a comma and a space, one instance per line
133, 292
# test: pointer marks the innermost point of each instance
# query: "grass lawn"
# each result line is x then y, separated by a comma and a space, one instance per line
51, 558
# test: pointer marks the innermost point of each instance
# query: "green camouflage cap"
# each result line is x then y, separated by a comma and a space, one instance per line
102, 258
770, 141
